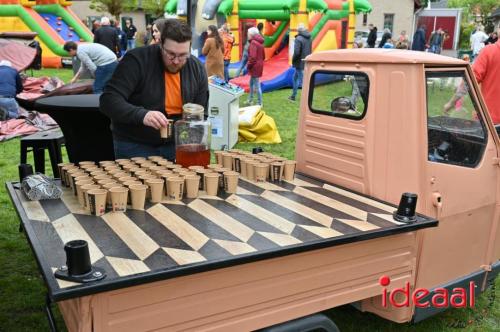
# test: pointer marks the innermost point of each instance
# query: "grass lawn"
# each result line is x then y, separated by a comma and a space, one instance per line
22, 291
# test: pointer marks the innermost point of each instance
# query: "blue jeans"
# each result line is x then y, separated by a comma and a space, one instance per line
243, 65
129, 149
11, 106
436, 49
130, 44
255, 87
297, 77
226, 69
103, 75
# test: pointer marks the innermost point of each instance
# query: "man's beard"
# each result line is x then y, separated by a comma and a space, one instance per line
173, 69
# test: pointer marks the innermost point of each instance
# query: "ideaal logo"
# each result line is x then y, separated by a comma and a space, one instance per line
460, 297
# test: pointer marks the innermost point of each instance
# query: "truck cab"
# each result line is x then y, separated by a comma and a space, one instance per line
382, 122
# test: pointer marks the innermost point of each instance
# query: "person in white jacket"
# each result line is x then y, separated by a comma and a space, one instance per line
477, 41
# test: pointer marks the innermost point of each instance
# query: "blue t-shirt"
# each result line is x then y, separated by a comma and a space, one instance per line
10, 82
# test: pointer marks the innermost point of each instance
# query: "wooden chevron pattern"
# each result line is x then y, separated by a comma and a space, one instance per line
260, 217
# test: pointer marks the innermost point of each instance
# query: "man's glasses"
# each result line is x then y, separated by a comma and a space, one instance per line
172, 56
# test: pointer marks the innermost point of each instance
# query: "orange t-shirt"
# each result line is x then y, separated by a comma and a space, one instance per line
173, 96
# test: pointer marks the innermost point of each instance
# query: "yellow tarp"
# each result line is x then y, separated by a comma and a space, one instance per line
256, 126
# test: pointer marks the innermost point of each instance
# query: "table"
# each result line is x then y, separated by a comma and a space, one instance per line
266, 249
86, 130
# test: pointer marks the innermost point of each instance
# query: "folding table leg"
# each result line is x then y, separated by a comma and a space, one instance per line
55, 157
50, 315
39, 156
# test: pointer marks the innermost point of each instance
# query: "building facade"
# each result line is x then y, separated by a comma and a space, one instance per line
394, 15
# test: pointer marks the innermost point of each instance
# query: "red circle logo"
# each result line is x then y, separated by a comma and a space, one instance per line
384, 281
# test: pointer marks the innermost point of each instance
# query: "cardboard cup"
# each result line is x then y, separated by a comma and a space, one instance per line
126, 179
101, 177
108, 186
218, 157
194, 168
97, 201
237, 163
163, 162
261, 172
180, 169
277, 171
122, 161
82, 163
251, 169
154, 157
72, 176
145, 177
227, 160
211, 183
79, 178
119, 199
156, 187
221, 171
97, 173
64, 174
231, 181
213, 166
106, 181
243, 165
289, 171
104, 163
175, 188
79, 192
85, 189
135, 159
192, 185
138, 196
166, 132
60, 166
201, 173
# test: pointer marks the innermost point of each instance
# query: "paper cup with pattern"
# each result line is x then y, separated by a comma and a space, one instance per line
85, 189
60, 166
243, 166
277, 171
192, 183
137, 196
261, 172
79, 193
108, 186
218, 157
119, 199
289, 170
231, 181
156, 188
79, 178
195, 167
201, 173
97, 201
175, 188
251, 169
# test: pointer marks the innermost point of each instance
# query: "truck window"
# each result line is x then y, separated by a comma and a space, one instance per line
456, 132
341, 94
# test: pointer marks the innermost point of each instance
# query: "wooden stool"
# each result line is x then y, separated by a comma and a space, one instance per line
50, 140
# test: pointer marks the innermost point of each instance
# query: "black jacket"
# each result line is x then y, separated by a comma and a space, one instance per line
372, 37
385, 37
138, 85
108, 36
302, 48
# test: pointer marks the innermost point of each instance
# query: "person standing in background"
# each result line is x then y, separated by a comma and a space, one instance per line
97, 59
157, 27
372, 36
122, 37
477, 41
10, 85
302, 48
148, 35
214, 52
385, 37
228, 39
244, 60
436, 41
418, 43
255, 64
131, 32
108, 36
492, 39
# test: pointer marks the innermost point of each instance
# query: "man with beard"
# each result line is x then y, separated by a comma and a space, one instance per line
149, 86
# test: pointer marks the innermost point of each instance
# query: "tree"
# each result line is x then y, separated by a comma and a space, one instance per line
473, 9
114, 7
154, 7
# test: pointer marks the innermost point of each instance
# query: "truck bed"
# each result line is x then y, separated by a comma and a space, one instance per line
172, 239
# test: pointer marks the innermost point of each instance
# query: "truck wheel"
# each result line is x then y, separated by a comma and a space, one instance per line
316, 323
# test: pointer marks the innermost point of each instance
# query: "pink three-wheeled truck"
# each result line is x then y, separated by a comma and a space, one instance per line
382, 133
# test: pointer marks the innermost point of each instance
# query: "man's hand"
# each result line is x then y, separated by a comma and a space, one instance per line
155, 119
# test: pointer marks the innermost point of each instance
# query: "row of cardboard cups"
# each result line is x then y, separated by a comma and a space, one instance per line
260, 167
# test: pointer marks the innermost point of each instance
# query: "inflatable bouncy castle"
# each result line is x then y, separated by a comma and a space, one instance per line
330, 22
52, 20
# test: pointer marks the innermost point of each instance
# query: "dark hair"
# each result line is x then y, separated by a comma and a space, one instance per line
260, 26
112, 22
68, 46
175, 30
160, 23
215, 34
